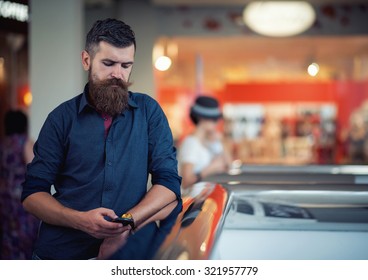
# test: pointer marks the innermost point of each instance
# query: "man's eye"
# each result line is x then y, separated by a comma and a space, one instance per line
107, 63
125, 66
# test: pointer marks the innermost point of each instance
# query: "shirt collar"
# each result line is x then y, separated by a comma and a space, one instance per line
84, 101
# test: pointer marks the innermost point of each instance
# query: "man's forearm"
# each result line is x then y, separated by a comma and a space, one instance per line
162, 214
45, 207
156, 205
93, 222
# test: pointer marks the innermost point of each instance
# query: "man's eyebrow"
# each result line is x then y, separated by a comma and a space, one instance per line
109, 60
113, 61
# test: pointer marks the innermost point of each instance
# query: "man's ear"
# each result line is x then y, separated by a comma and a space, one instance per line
86, 60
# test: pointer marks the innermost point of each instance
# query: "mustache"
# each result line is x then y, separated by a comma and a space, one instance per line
115, 82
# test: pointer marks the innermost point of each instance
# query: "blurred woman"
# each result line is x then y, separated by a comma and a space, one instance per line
202, 154
19, 228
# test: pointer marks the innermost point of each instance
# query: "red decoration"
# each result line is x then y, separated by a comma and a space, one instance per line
212, 24
329, 11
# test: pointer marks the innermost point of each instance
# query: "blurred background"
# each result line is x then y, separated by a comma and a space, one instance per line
292, 81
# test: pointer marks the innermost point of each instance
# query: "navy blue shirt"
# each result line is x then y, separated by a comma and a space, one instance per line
89, 170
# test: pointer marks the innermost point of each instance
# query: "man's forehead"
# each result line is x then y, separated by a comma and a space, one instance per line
116, 55
108, 49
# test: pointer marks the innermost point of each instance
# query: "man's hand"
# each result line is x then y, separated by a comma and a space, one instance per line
110, 245
94, 223
48, 209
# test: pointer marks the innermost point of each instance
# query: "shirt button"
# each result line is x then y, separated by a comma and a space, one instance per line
109, 163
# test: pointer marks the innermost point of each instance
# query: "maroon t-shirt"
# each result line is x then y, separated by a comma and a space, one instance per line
107, 123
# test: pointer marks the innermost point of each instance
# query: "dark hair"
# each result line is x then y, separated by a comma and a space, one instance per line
205, 107
16, 122
194, 118
112, 31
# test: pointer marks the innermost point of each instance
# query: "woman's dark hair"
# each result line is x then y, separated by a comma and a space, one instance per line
16, 122
205, 107
112, 31
194, 118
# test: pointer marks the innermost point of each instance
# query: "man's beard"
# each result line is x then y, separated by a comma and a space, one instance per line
109, 96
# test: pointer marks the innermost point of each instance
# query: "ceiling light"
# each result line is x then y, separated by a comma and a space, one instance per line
164, 52
163, 63
313, 69
279, 18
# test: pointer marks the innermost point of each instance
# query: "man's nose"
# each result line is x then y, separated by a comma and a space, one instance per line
117, 72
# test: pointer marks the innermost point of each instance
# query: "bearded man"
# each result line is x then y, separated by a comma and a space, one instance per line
97, 150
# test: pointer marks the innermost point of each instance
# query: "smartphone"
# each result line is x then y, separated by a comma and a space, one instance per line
124, 221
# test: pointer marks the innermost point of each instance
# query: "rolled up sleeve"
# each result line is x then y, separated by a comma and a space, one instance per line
48, 156
163, 164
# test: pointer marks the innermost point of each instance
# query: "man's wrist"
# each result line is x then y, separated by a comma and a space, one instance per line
129, 216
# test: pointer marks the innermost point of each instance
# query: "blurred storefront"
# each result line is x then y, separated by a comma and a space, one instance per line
276, 109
